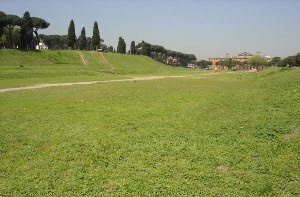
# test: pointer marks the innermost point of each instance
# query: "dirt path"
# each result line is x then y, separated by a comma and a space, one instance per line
38, 86
104, 58
82, 58
107, 62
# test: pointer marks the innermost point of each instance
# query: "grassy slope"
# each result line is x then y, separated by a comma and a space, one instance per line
212, 136
126, 64
66, 66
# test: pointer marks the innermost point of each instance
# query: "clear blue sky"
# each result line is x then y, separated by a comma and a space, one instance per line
205, 28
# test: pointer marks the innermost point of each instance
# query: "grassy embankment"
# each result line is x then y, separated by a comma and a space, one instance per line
18, 68
210, 136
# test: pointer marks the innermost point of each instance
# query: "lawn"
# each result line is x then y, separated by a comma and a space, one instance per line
209, 136
21, 68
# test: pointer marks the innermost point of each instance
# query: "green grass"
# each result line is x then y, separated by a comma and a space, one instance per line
20, 68
210, 136
141, 65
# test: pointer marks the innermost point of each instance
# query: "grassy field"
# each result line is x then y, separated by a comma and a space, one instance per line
19, 68
213, 135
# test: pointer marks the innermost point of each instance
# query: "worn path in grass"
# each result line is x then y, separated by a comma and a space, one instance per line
142, 78
82, 58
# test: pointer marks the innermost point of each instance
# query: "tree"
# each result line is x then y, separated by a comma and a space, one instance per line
144, 48
297, 60
26, 31
4, 40
71, 35
132, 48
55, 41
96, 37
82, 40
257, 61
89, 43
203, 63
290, 61
287, 62
15, 37
157, 49
3, 22
229, 63
209, 63
121, 46
274, 61
38, 23
159, 53
12, 22
110, 49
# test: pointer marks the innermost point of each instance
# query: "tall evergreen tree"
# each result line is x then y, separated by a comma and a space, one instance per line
82, 40
26, 31
132, 48
96, 36
71, 35
121, 46
88, 43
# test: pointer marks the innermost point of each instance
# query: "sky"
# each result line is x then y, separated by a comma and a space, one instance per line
206, 28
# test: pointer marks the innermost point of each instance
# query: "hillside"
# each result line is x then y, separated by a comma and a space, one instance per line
116, 63
25, 68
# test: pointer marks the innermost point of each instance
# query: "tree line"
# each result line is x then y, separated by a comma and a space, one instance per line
72, 42
290, 61
82, 42
17, 32
158, 53
22, 33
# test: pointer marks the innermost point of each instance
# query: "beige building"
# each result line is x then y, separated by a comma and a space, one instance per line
242, 57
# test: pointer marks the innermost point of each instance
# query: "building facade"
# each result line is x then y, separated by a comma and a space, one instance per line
242, 57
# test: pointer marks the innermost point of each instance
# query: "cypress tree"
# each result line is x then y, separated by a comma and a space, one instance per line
96, 36
89, 43
71, 35
26, 31
121, 46
132, 48
82, 40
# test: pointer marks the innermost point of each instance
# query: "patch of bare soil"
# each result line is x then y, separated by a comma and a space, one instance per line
222, 169
294, 134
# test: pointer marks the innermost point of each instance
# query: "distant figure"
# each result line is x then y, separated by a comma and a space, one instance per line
21, 65
239, 75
